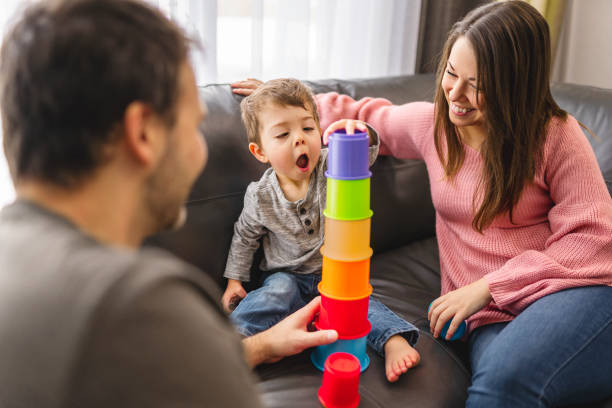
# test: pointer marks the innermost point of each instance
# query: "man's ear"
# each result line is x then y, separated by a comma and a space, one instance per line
258, 152
140, 125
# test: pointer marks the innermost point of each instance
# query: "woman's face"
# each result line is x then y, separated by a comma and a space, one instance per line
460, 86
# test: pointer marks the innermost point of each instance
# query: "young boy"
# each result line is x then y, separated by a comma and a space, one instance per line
284, 209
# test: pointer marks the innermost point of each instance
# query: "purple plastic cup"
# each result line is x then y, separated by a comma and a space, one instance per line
348, 156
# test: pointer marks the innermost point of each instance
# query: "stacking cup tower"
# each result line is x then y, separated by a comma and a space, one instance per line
345, 283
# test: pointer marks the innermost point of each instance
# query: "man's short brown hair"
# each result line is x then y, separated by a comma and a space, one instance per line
283, 92
68, 71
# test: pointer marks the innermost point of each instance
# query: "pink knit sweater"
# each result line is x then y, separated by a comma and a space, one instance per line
562, 231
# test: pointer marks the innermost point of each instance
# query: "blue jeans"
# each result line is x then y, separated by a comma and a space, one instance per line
283, 293
558, 351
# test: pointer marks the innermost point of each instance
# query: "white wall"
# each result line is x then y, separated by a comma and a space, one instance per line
7, 193
8, 12
584, 55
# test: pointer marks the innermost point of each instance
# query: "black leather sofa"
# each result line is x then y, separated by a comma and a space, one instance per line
405, 266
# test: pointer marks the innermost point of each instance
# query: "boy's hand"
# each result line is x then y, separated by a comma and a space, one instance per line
234, 293
349, 124
246, 87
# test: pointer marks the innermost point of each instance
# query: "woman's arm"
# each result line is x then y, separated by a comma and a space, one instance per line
577, 253
579, 250
404, 130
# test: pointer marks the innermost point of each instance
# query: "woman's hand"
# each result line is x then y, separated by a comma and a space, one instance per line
458, 305
246, 87
349, 124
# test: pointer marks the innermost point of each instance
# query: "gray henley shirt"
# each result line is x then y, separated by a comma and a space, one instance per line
291, 232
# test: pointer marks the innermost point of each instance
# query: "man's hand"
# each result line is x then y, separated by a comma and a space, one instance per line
233, 294
349, 124
458, 305
245, 87
288, 337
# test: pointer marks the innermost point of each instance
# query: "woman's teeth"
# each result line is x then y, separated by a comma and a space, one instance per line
460, 111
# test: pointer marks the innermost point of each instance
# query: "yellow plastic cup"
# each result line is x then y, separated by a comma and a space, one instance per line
342, 280
347, 240
348, 199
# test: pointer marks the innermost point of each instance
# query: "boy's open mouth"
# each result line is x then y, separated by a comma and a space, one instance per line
302, 161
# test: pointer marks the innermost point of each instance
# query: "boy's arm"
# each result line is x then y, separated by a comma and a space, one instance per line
245, 242
374, 144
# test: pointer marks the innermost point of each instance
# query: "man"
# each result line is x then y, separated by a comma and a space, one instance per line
100, 114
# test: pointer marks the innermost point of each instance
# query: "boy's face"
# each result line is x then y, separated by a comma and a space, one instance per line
290, 141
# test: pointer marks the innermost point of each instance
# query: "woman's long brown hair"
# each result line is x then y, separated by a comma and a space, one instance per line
511, 42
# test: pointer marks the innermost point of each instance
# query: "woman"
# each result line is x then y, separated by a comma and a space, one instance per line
523, 216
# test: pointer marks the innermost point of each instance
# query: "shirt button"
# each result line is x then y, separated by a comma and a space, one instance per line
310, 231
307, 222
302, 211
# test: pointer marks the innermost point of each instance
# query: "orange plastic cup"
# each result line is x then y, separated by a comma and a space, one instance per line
348, 317
342, 279
347, 240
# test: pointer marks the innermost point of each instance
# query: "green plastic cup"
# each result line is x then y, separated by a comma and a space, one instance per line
348, 199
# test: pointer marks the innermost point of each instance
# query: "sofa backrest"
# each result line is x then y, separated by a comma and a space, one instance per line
401, 201
593, 107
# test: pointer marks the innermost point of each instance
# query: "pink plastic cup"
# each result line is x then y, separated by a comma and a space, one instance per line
340, 387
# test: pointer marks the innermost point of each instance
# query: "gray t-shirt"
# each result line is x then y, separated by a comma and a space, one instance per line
291, 232
87, 325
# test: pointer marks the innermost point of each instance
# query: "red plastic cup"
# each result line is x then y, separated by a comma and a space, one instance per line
340, 387
349, 317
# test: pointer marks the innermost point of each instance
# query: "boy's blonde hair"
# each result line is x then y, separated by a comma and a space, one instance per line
283, 92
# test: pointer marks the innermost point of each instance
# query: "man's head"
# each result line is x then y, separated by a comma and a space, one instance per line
283, 127
84, 82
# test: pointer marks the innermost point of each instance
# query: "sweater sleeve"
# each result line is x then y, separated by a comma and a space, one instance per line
578, 251
402, 129
245, 242
374, 145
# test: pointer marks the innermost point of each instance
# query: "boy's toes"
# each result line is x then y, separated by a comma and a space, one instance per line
391, 376
405, 364
415, 358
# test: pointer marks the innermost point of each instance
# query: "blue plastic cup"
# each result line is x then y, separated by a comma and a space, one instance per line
348, 156
356, 347
458, 333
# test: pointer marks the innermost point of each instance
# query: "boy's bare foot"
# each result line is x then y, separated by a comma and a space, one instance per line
399, 357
